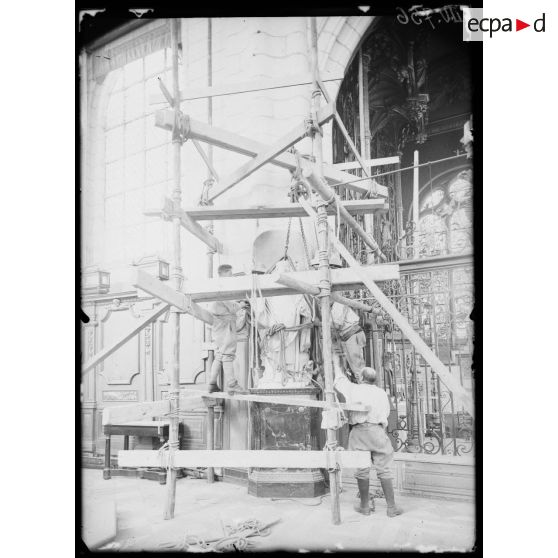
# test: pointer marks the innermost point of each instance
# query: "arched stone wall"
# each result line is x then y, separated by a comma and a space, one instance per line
338, 41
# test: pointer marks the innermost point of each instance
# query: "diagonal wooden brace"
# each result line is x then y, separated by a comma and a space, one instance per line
170, 210
421, 347
265, 156
107, 351
184, 303
311, 176
194, 129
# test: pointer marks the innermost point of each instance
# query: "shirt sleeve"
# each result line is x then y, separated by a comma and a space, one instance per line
344, 386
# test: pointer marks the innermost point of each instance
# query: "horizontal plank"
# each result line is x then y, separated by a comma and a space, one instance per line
262, 84
230, 141
246, 458
367, 163
135, 412
152, 423
302, 287
213, 213
281, 400
240, 287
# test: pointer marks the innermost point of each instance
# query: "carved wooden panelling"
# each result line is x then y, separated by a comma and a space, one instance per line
86, 426
191, 339
438, 479
195, 431
120, 395
121, 367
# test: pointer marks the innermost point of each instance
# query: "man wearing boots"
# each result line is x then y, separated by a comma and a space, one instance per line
224, 329
368, 433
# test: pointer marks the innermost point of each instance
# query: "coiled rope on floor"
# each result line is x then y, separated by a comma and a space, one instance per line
235, 538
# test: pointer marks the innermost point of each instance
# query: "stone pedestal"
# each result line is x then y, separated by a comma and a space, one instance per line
285, 427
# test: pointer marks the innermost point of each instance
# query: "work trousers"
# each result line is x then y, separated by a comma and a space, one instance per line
373, 438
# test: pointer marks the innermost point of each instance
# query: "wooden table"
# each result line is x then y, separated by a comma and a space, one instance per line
148, 428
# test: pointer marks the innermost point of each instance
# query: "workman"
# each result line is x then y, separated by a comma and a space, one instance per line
348, 338
368, 433
225, 315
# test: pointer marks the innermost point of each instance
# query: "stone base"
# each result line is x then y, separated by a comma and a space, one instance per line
235, 476
286, 483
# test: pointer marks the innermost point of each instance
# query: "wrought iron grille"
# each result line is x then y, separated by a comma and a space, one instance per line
438, 304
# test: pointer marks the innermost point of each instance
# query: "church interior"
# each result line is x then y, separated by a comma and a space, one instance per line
265, 202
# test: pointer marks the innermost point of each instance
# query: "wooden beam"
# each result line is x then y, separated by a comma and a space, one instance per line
135, 411
190, 225
301, 286
451, 382
293, 136
246, 146
158, 289
367, 187
237, 288
246, 458
309, 173
206, 160
107, 351
213, 213
368, 163
245, 87
280, 400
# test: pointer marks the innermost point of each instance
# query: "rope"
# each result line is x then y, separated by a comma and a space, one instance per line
235, 538
306, 252
319, 503
287, 240
331, 449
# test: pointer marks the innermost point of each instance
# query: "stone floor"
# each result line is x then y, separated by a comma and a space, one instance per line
305, 525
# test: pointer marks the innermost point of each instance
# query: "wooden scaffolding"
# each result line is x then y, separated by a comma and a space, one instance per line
315, 178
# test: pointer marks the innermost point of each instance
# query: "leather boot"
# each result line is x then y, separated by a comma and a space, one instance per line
213, 387
364, 492
214, 375
387, 487
234, 387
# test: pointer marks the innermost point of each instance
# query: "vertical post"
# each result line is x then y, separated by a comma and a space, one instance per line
364, 125
174, 391
210, 436
398, 198
325, 282
416, 203
106, 469
210, 179
376, 358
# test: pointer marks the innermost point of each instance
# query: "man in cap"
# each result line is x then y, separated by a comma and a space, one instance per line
368, 433
224, 329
